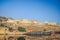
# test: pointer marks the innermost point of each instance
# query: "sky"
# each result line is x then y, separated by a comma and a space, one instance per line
41, 10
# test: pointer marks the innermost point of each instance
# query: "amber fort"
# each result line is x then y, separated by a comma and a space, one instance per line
23, 29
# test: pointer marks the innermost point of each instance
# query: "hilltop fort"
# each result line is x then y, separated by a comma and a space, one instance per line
11, 29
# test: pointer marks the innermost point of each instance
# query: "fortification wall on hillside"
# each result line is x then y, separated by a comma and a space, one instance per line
11, 29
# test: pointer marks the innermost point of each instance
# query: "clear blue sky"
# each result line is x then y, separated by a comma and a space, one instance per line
41, 10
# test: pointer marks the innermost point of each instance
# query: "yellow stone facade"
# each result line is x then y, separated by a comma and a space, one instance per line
30, 26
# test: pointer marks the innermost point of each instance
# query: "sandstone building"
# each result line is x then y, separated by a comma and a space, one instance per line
23, 29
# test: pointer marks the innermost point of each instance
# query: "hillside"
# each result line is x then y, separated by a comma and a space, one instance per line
29, 25
29, 29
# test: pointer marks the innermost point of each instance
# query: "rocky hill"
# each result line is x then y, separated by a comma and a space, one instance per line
34, 30
29, 25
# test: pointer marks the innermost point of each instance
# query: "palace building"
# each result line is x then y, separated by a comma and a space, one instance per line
24, 29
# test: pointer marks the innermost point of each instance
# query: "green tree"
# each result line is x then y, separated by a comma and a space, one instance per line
21, 29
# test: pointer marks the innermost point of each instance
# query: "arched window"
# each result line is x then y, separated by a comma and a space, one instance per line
21, 38
10, 38
10, 29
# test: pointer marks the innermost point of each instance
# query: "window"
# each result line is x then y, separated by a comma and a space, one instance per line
44, 30
2, 25
57, 32
10, 29
5, 39
38, 33
21, 38
11, 38
46, 33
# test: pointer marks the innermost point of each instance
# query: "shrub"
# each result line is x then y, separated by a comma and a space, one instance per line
21, 29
